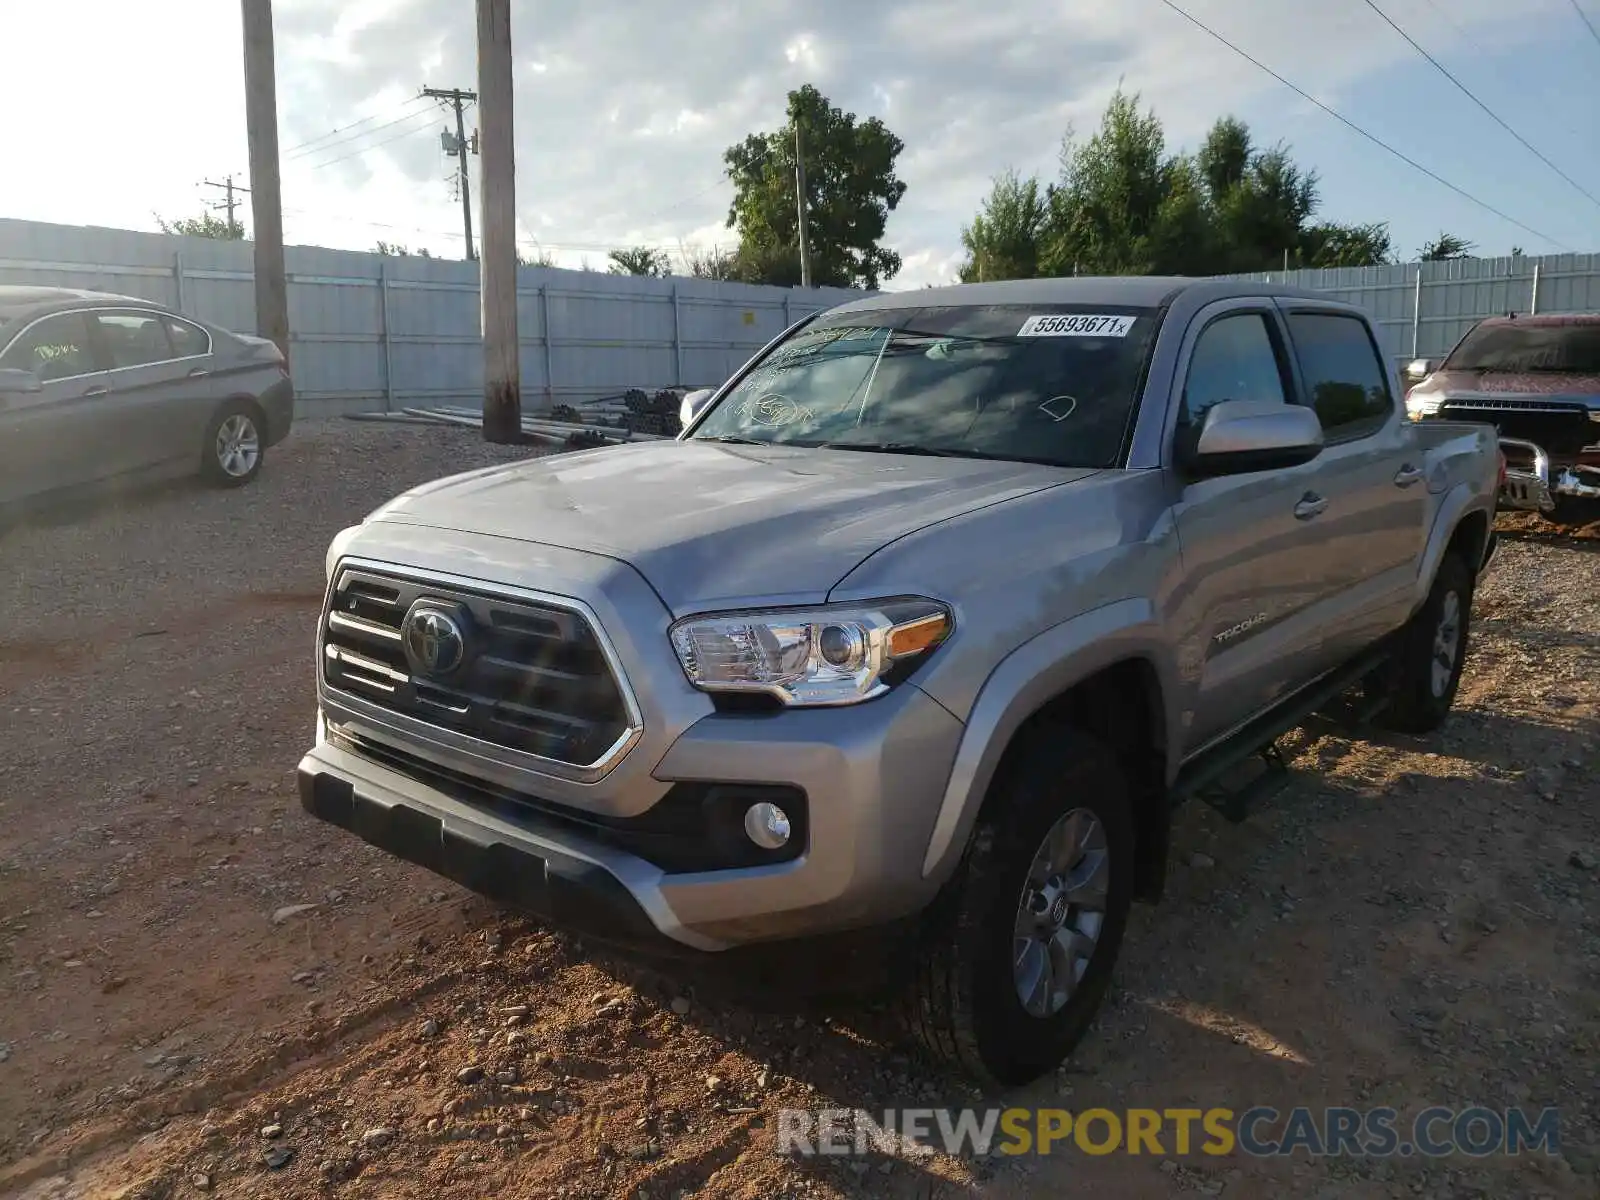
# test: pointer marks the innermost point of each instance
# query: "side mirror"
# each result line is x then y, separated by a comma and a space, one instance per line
1419, 369
14, 381
693, 404
1239, 436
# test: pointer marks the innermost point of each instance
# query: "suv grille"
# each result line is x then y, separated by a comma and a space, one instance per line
521, 674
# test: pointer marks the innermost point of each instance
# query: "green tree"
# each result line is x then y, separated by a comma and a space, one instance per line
1103, 215
715, 263
1124, 205
851, 188
640, 260
539, 258
396, 250
1446, 245
207, 225
1005, 238
1334, 245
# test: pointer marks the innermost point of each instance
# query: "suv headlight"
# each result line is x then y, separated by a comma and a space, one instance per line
835, 654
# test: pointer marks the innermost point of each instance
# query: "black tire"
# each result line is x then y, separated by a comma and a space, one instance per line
964, 1003
1419, 699
1573, 512
221, 469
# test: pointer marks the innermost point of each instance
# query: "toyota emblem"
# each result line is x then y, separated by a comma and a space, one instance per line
434, 642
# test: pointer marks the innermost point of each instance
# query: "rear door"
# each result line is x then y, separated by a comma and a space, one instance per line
1370, 476
49, 438
156, 390
1253, 568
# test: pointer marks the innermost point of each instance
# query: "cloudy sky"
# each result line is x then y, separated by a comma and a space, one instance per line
624, 107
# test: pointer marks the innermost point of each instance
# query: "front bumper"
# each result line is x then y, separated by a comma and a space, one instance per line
1531, 487
873, 776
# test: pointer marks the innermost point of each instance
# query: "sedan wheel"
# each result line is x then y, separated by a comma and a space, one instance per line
233, 448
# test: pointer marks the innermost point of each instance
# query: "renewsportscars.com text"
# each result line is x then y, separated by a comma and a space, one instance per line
1260, 1132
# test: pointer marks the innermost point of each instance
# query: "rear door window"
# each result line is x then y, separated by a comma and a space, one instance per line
134, 339
188, 341
1344, 377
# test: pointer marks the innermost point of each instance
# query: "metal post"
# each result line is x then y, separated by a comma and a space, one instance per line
801, 216
544, 317
502, 362
677, 338
1416, 315
1533, 304
787, 319
177, 278
388, 346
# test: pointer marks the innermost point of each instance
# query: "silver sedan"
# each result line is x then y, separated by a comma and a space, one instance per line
96, 388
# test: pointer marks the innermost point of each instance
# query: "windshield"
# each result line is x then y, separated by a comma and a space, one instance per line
1030, 383
1565, 349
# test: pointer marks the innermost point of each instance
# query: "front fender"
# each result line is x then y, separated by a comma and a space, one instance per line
1027, 679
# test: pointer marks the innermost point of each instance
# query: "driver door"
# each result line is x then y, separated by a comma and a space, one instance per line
1254, 565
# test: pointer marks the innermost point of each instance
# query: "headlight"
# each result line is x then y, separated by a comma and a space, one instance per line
1421, 407
817, 656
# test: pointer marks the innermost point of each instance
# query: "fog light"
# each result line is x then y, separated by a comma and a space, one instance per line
767, 825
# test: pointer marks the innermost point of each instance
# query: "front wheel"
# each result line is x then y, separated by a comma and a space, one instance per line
1023, 940
233, 450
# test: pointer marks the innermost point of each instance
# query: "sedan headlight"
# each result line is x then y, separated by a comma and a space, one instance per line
830, 655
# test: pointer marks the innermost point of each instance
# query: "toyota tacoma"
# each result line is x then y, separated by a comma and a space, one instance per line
912, 638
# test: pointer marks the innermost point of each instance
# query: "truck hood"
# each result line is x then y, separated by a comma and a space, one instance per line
1544, 385
721, 526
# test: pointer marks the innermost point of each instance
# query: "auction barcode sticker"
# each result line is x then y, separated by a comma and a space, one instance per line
1076, 325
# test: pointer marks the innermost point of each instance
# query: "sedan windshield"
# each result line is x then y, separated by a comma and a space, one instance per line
1564, 349
1053, 385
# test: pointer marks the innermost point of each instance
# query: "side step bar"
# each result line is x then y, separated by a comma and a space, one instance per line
1204, 776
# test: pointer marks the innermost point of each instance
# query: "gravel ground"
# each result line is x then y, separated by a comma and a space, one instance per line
1410, 923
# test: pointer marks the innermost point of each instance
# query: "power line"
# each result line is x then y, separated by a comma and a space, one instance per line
375, 145
347, 129
364, 133
1354, 128
1494, 116
1584, 17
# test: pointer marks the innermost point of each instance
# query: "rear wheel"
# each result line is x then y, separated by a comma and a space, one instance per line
1022, 942
1421, 680
234, 447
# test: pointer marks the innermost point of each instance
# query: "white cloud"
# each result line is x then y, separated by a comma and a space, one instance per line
624, 109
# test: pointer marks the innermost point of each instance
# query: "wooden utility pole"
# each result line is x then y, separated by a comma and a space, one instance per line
497, 268
229, 203
457, 98
800, 205
266, 201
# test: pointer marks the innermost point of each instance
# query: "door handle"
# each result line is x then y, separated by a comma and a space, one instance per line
1407, 475
1311, 505
199, 373
98, 390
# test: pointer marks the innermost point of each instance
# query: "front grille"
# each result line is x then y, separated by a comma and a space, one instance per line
531, 676
1512, 404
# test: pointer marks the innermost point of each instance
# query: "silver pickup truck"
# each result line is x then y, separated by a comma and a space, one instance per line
907, 646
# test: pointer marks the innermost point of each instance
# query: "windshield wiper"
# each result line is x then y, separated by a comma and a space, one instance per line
730, 439
934, 452
897, 448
